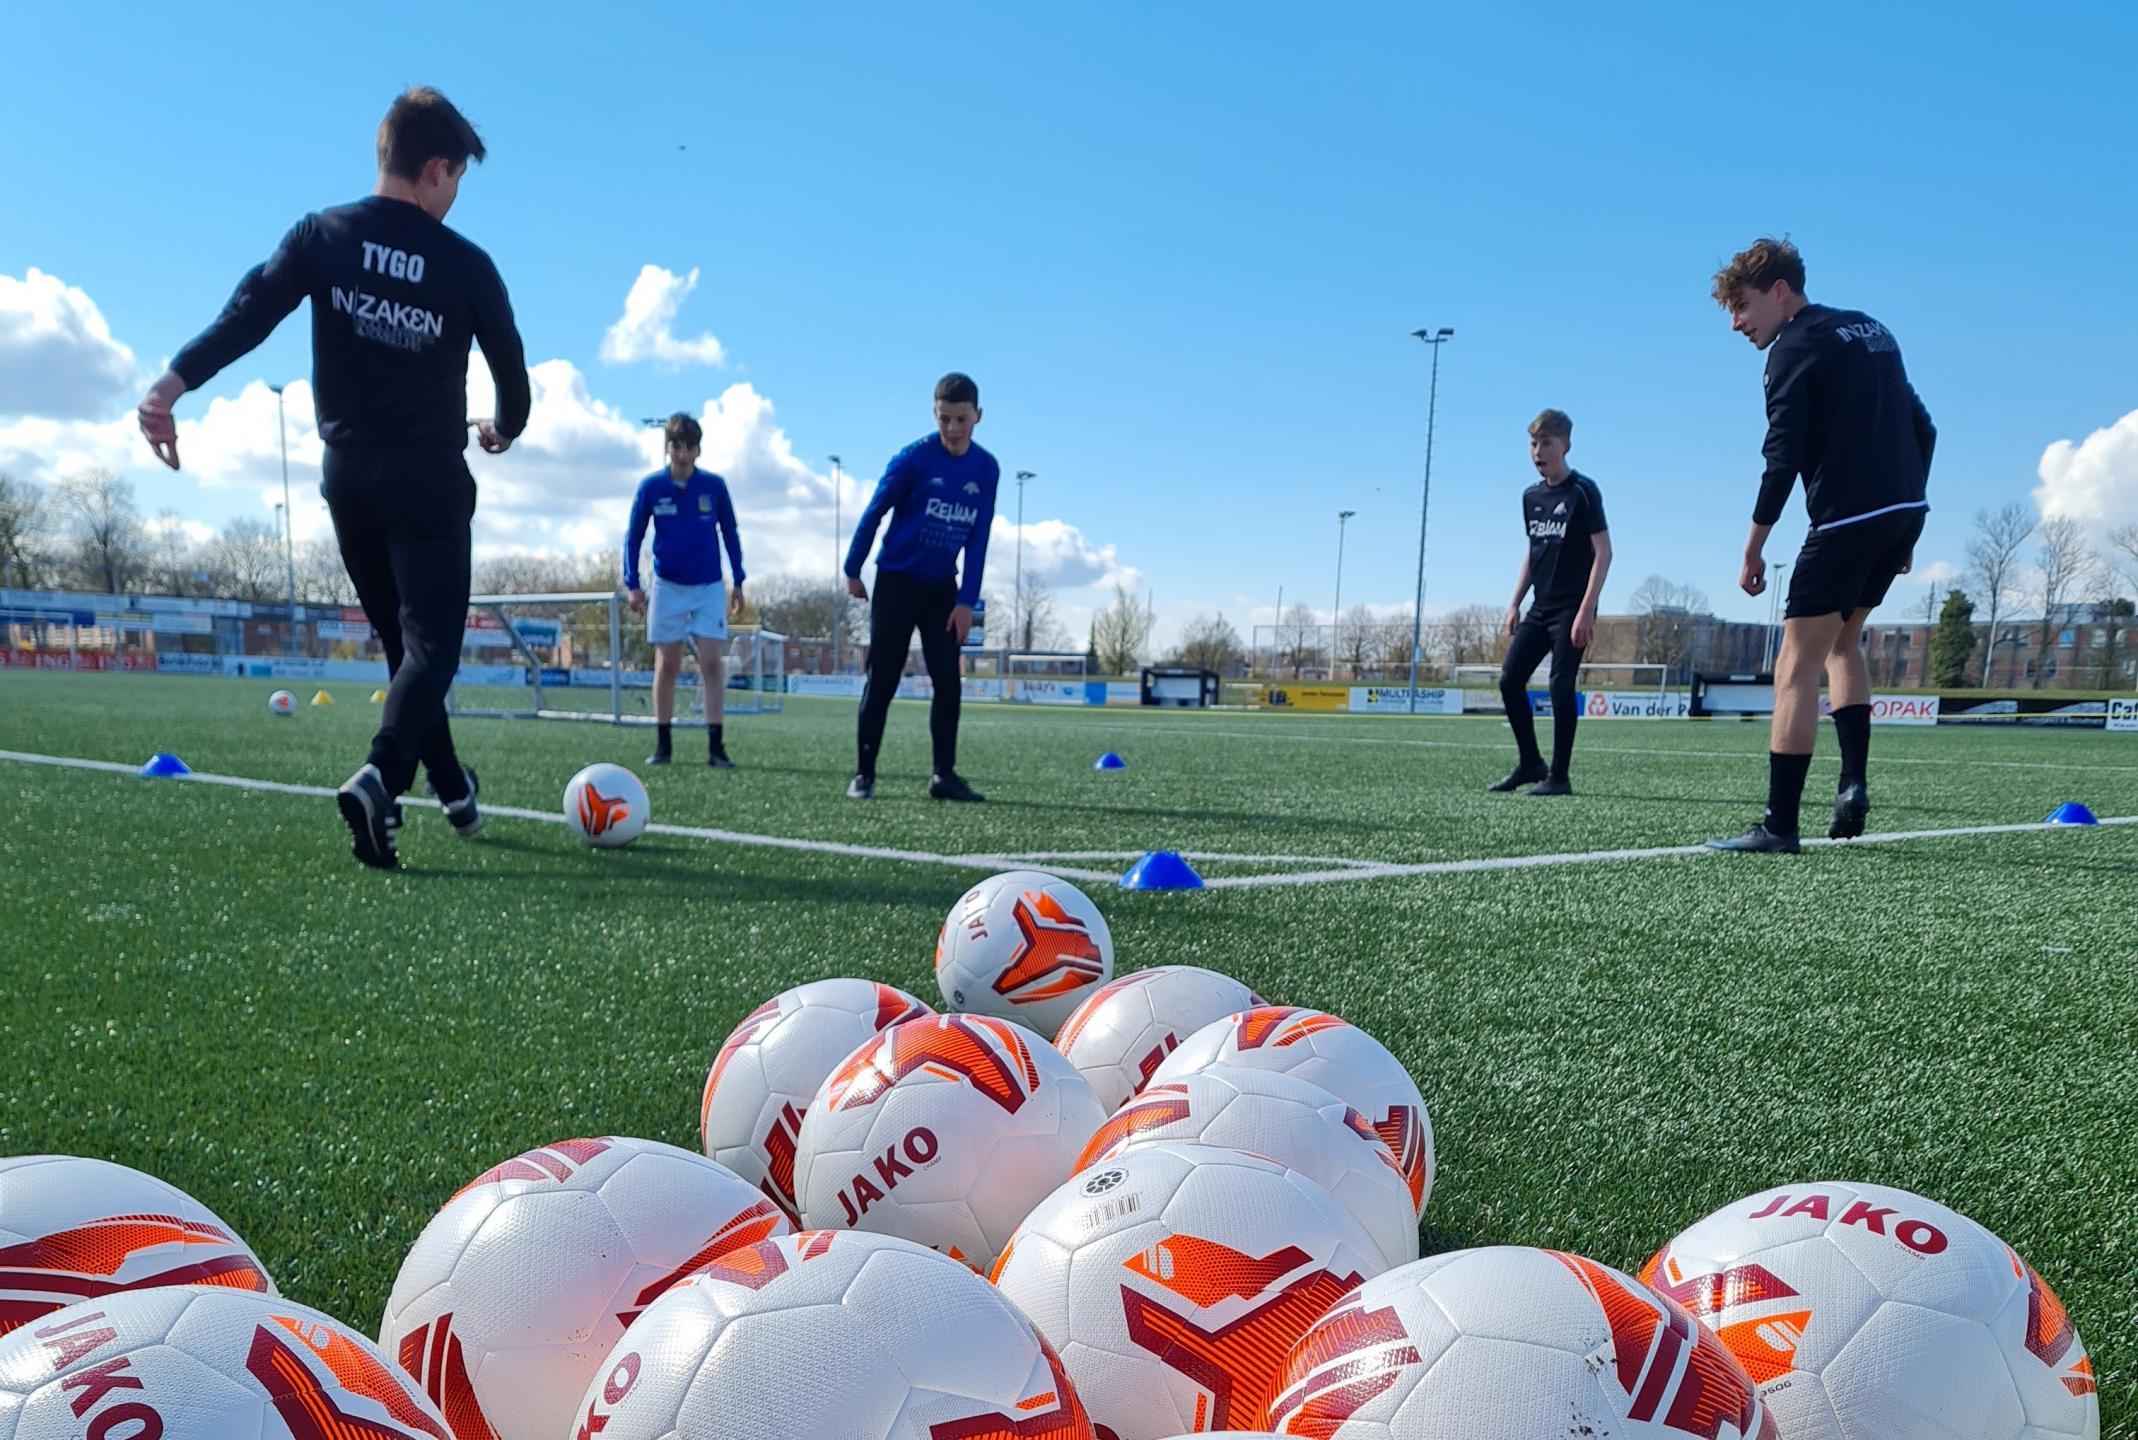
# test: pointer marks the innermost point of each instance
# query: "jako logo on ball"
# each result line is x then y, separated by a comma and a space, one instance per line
1023, 946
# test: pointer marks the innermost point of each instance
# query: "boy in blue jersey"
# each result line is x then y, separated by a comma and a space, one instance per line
691, 516
940, 496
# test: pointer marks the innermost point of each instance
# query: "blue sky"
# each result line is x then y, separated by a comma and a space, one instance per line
1181, 247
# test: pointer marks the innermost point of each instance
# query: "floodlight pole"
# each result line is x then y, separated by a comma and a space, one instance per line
1017, 637
838, 565
289, 551
1434, 338
1336, 609
1774, 605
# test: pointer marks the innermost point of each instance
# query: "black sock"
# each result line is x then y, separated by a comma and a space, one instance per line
713, 740
1852, 724
1785, 791
666, 743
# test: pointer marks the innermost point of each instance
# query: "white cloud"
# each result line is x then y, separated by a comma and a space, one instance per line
58, 359
2094, 480
1057, 553
645, 330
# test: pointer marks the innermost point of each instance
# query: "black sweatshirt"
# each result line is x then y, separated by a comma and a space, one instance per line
1841, 413
1563, 522
396, 298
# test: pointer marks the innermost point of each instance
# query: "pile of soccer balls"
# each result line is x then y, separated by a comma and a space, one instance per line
1198, 1212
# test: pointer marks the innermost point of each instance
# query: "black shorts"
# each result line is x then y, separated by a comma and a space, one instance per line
1846, 568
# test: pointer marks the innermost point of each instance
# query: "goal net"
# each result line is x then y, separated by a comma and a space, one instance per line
1599, 680
1045, 678
584, 656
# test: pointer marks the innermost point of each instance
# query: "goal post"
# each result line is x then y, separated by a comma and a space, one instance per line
580, 655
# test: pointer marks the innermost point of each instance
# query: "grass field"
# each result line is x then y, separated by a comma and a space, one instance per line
198, 980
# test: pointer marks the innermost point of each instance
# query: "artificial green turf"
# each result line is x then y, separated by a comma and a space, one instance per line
200, 982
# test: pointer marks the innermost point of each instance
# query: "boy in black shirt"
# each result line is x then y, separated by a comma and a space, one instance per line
1841, 413
396, 299
1569, 556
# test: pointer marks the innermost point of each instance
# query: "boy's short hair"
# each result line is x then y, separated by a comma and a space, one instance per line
422, 125
1552, 422
1757, 267
957, 388
684, 431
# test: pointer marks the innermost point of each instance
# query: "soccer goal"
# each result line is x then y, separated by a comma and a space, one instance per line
583, 656
1600, 678
1045, 678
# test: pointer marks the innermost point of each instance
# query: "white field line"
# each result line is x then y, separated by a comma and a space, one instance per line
1350, 869
1293, 736
551, 817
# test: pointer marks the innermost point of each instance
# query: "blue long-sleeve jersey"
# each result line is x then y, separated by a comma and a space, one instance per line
939, 504
689, 522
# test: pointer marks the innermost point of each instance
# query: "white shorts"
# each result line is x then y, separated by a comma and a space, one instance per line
678, 612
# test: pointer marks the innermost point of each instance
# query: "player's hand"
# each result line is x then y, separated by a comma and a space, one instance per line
960, 622
735, 603
493, 441
1908, 564
1584, 628
1754, 578
638, 602
855, 588
157, 424
1514, 618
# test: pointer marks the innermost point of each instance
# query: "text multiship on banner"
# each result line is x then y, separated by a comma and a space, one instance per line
2123, 714
1395, 700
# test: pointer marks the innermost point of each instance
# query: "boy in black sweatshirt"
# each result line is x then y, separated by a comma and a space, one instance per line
396, 300
1840, 413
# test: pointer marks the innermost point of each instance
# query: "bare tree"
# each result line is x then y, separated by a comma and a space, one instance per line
1031, 623
1471, 634
1210, 644
1358, 637
1120, 633
802, 606
1395, 640
2061, 560
22, 522
321, 577
244, 561
170, 562
1299, 636
97, 508
1671, 617
1993, 563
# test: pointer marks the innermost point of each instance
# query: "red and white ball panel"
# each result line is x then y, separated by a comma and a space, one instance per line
1282, 1118
1174, 1279
1023, 946
944, 1131
760, 1084
1336, 1055
1867, 1310
201, 1362
832, 1334
1511, 1341
514, 1292
73, 1228
1126, 1027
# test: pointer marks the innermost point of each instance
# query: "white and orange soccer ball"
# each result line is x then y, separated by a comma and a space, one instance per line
1336, 1055
1282, 1118
606, 806
519, 1286
1023, 946
945, 1131
832, 1333
199, 1362
1865, 1312
1173, 1280
73, 1228
282, 703
1511, 1341
750, 1119
1121, 1032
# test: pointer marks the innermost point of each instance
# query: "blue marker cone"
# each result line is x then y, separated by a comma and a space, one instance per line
1109, 761
1161, 870
2071, 812
163, 764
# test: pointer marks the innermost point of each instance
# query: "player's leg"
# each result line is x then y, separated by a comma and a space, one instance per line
712, 681
451, 781
939, 650
1532, 642
431, 571
1887, 548
1566, 706
365, 804
667, 662
891, 621
1806, 642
